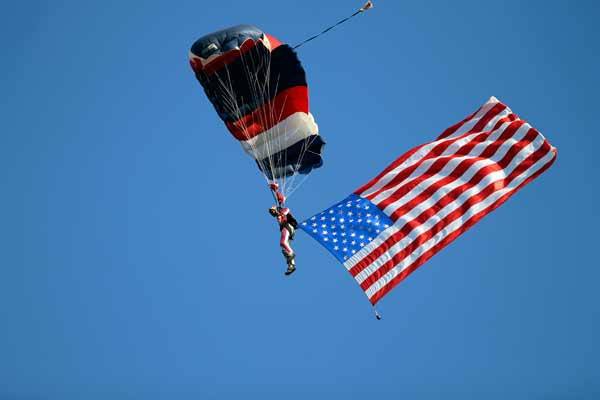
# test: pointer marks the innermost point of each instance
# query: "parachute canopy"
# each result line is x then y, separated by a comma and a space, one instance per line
258, 88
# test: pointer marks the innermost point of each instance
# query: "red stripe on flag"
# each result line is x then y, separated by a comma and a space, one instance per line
391, 167
450, 131
456, 214
497, 109
434, 152
442, 202
466, 226
438, 227
441, 163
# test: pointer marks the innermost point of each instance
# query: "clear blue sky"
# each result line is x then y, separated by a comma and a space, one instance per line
137, 259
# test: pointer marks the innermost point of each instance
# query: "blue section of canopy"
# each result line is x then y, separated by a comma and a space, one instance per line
301, 158
224, 40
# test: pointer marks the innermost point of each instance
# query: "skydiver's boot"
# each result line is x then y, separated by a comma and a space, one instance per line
291, 262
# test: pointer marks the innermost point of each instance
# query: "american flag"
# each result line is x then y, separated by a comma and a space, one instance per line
429, 196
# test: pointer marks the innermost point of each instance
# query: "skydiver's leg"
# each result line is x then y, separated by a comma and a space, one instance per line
287, 251
284, 242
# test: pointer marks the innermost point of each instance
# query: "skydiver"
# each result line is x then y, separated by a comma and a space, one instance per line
287, 227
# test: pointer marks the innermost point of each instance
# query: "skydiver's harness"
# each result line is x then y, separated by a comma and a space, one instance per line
287, 221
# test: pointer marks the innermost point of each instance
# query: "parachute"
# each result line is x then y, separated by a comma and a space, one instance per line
258, 88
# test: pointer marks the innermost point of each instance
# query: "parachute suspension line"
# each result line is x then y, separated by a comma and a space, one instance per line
257, 92
259, 96
267, 116
232, 105
261, 91
257, 71
368, 5
303, 151
293, 188
260, 85
230, 100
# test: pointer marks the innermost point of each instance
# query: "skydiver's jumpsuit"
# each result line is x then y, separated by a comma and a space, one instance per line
287, 234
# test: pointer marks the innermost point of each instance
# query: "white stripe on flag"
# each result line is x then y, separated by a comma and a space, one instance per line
425, 165
448, 209
425, 150
418, 189
455, 225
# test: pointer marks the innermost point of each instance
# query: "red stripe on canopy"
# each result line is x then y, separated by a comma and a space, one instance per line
284, 104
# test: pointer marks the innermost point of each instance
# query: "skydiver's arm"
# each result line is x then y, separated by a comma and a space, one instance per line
280, 198
278, 195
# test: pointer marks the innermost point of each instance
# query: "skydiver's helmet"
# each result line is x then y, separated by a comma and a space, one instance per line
273, 211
